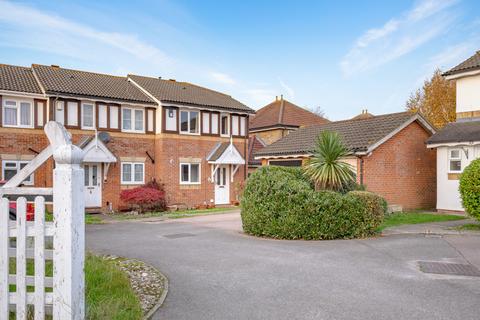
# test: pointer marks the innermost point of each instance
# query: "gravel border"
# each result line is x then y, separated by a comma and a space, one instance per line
148, 283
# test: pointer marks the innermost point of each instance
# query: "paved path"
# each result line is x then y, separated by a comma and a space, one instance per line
216, 272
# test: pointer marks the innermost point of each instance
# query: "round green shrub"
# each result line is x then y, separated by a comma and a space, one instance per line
279, 202
470, 188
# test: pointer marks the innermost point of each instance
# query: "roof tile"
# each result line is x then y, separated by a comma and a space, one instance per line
284, 113
183, 92
57, 80
15, 78
472, 63
466, 131
358, 135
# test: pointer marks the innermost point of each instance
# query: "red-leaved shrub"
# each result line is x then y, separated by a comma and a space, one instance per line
150, 197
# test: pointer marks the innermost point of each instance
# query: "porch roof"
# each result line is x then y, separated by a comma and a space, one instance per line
225, 153
95, 150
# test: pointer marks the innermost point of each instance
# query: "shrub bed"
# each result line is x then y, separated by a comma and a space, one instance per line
279, 202
470, 188
150, 197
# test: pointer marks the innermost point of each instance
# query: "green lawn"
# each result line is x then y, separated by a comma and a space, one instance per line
89, 218
469, 227
108, 292
402, 218
174, 214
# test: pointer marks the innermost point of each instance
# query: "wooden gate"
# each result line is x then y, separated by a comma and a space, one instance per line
21, 239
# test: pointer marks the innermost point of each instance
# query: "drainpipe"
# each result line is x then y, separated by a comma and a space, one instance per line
361, 171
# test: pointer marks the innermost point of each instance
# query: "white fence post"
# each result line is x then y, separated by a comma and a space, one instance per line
69, 235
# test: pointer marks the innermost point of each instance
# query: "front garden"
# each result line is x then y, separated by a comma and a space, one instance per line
318, 201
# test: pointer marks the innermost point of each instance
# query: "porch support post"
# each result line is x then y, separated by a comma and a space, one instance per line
69, 236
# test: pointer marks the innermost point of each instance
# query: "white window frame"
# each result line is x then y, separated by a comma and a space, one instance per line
132, 166
189, 164
93, 115
199, 121
221, 124
450, 159
132, 121
18, 103
30, 181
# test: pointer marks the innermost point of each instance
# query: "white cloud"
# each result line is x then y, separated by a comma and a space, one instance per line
288, 89
31, 28
427, 20
222, 78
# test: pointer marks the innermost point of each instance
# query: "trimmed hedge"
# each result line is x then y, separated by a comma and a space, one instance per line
279, 202
470, 188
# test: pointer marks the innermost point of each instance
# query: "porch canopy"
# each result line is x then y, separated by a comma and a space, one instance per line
225, 153
96, 151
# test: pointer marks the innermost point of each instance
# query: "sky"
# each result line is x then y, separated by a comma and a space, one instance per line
342, 56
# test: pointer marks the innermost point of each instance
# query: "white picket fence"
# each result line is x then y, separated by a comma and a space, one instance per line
66, 299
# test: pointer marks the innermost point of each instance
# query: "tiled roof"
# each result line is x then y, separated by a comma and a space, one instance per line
467, 131
364, 115
218, 150
21, 79
472, 63
183, 92
57, 80
358, 135
255, 144
284, 113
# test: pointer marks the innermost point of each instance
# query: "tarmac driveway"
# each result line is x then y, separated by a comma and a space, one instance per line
215, 272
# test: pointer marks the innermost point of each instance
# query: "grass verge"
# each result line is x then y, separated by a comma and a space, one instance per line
108, 292
174, 214
469, 227
402, 218
89, 218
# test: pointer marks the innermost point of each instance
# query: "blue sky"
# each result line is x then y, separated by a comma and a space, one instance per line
343, 56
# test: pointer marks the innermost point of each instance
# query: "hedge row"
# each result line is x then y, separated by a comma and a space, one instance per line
279, 202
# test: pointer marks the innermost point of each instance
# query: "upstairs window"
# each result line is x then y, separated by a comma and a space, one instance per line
133, 120
11, 168
189, 122
455, 160
224, 124
17, 114
88, 116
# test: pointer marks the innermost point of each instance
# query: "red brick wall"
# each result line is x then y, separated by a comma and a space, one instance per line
170, 148
403, 170
166, 150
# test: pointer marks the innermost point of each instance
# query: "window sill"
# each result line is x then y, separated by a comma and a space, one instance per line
124, 183
18, 127
189, 133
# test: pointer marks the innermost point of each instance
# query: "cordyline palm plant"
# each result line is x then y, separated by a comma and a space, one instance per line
325, 167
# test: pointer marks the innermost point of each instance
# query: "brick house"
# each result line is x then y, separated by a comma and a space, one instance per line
458, 143
277, 119
132, 129
387, 152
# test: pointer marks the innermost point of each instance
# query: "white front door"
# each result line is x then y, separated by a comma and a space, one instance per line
93, 185
222, 185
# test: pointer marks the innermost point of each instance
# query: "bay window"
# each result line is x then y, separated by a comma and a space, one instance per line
189, 122
133, 172
189, 173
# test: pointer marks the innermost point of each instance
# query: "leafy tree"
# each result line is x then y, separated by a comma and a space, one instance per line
435, 100
325, 167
